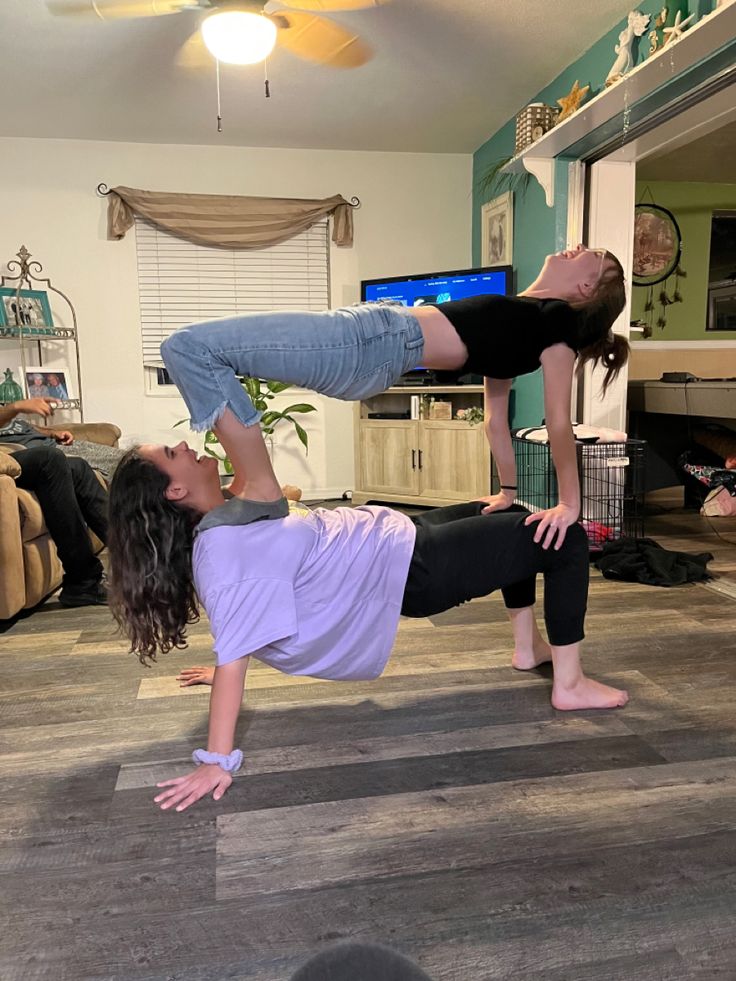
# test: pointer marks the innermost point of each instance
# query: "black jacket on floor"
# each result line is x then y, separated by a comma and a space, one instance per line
644, 560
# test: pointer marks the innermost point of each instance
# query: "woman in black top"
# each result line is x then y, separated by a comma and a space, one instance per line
564, 317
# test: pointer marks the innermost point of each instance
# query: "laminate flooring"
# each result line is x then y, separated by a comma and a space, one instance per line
445, 810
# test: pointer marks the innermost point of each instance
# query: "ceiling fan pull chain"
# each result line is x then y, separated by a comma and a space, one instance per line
219, 106
265, 78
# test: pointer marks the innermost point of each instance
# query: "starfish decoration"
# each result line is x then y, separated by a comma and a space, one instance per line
674, 33
571, 102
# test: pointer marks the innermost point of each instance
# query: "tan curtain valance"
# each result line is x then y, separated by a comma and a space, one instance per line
230, 221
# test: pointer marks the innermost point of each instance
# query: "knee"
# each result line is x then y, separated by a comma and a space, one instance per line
179, 347
80, 468
576, 542
49, 459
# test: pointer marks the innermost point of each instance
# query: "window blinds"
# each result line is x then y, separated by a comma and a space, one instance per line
182, 283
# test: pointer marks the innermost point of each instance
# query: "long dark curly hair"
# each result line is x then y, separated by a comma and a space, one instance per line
151, 592
596, 317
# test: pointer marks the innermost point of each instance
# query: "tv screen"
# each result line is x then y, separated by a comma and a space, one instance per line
431, 288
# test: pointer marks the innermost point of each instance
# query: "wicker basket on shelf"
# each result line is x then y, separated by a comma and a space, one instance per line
532, 122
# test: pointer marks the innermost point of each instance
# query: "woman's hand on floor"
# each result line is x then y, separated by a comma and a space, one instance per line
554, 521
196, 676
182, 792
497, 502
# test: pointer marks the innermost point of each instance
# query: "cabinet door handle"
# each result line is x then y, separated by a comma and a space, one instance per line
420, 459
413, 459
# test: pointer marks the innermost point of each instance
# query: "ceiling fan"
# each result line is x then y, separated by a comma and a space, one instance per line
244, 32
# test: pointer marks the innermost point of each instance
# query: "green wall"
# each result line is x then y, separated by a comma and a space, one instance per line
539, 230
692, 205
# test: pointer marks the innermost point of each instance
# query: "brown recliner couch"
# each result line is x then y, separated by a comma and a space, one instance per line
29, 566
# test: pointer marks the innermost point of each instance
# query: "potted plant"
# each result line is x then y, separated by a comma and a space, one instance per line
261, 392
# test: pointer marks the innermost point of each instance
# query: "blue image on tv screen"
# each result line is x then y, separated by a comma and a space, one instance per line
436, 288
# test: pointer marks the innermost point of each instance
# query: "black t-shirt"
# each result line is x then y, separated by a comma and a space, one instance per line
21, 432
505, 335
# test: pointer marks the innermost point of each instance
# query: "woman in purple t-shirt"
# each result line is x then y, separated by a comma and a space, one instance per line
319, 593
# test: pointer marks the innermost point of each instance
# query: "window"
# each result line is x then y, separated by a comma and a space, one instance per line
182, 283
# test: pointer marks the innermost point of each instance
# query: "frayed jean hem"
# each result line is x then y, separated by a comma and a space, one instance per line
201, 426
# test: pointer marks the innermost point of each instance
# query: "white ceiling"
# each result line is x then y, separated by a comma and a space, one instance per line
710, 158
446, 75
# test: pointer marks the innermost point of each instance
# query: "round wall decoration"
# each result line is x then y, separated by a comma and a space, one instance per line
657, 244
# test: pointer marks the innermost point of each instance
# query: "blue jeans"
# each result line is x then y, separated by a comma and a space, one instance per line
349, 353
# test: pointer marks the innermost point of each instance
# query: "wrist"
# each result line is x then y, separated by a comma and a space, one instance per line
227, 761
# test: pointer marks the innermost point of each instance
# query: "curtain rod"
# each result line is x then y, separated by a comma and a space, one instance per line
103, 190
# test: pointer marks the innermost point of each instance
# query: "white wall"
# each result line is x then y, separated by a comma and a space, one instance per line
415, 216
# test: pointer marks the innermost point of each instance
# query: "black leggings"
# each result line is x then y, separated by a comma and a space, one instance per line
71, 498
461, 554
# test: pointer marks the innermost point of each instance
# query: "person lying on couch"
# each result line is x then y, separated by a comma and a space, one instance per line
72, 499
98, 455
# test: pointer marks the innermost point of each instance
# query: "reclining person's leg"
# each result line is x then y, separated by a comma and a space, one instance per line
46, 472
91, 496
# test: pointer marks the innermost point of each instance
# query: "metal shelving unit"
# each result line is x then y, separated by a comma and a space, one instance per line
22, 273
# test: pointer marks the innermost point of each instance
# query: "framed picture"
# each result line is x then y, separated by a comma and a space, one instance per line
50, 383
28, 309
657, 244
497, 231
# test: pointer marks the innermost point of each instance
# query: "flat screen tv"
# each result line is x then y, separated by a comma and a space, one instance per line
439, 287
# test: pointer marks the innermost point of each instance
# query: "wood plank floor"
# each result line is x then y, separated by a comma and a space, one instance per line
445, 810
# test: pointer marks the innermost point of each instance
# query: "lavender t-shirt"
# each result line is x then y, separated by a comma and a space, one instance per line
316, 593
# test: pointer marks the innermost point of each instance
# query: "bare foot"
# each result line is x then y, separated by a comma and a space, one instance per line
587, 694
196, 676
525, 660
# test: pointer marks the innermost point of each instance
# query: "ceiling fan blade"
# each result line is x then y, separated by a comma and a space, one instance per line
194, 54
327, 5
117, 9
320, 40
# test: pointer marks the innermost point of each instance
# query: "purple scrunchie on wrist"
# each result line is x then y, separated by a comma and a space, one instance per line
231, 762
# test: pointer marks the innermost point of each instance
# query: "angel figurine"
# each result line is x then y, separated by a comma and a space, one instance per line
635, 27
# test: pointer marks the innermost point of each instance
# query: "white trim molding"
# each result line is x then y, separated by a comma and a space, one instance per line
681, 345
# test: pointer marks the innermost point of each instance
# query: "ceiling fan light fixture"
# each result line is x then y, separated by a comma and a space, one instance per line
238, 37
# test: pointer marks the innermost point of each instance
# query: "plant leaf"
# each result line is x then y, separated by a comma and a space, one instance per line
304, 439
252, 387
300, 407
495, 180
277, 386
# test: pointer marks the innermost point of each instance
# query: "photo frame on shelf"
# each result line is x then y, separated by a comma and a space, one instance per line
497, 231
26, 310
44, 382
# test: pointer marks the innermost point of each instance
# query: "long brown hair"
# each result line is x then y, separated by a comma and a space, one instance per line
150, 541
597, 342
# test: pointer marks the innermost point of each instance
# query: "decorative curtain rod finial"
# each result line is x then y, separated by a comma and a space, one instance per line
354, 202
103, 190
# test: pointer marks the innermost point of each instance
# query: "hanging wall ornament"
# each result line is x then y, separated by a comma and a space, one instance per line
657, 244
679, 274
